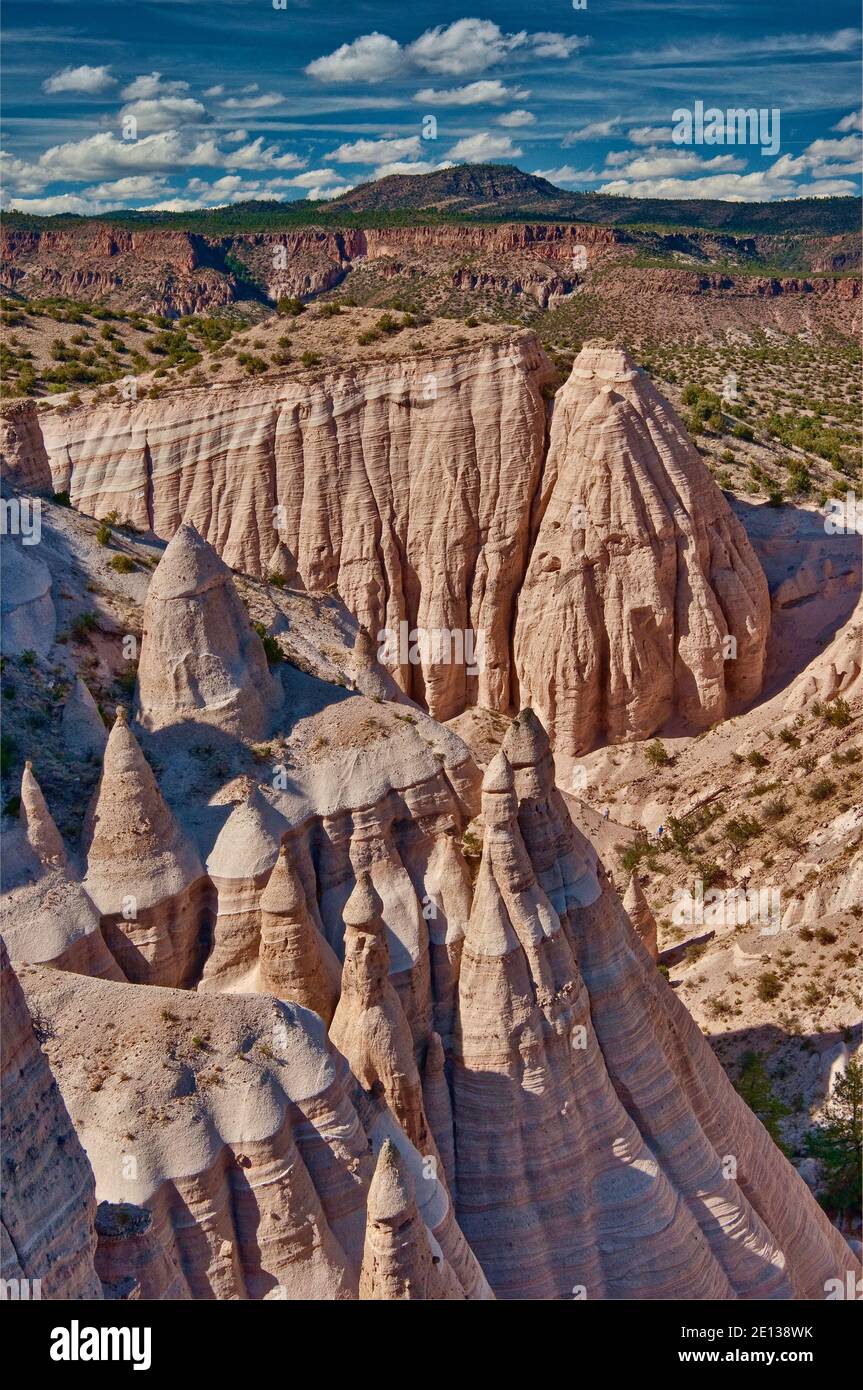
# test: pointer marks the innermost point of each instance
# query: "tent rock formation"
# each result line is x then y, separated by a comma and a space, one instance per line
641, 573
201, 659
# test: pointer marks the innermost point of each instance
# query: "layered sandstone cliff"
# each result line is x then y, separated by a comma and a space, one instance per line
648, 581
408, 485
421, 489
164, 272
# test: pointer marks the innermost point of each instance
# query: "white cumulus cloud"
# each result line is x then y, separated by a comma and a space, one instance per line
370, 58
152, 84
482, 146
90, 81
376, 151
474, 94
419, 166
565, 176
164, 113
250, 103
448, 50
594, 130
514, 119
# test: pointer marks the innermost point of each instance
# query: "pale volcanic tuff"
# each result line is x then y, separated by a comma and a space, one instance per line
425, 490
556, 1121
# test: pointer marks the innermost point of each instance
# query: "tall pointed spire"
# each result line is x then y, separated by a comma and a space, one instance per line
399, 1260
83, 728
42, 834
142, 873
283, 566
200, 656
369, 1026
638, 911
297, 962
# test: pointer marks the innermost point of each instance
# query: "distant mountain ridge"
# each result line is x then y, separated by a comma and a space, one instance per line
485, 192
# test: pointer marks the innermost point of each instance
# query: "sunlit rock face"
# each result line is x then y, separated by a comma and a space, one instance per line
643, 597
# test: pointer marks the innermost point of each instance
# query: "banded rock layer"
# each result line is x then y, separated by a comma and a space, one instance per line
601, 1152
645, 577
408, 485
607, 583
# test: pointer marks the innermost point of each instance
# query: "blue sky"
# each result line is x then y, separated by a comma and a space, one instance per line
195, 103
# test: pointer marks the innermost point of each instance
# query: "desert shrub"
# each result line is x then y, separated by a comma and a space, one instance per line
310, 359
776, 809
838, 713
272, 650
769, 986
252, 365
741, 829
289, 306
756, 759
822, 790
83, 624
657, 754
8, 750
103, 534
709, 873
799, 478
630, 856
122, 564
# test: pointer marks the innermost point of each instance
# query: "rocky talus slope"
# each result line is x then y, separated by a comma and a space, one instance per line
465, 545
